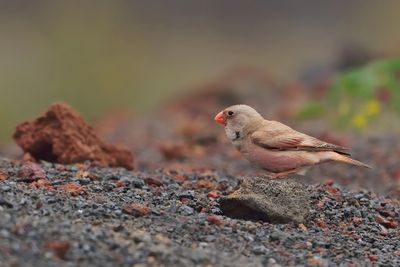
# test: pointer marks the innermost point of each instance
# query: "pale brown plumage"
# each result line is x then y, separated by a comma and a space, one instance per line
275, 147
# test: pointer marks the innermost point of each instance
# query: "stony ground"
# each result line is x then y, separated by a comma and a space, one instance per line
56, 215
167, 211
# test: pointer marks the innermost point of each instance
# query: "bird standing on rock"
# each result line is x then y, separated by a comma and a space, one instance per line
275, 147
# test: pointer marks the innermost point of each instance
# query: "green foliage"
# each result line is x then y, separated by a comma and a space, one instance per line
311, 109
361, 96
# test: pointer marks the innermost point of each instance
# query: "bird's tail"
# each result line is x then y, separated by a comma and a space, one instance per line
345, 159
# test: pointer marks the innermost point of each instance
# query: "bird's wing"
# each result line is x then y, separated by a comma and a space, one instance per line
285, 138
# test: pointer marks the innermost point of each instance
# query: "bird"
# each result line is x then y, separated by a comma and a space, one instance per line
274, 146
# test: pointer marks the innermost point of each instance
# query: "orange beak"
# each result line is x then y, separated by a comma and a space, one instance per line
220, 118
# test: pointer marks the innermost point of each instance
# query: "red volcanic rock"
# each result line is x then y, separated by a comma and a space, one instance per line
213, 194
135, 209
372, 257
214, 219
153, 181
387, 222
3, 175
73, 189
42, 183
60, 247
61, 135
30, 172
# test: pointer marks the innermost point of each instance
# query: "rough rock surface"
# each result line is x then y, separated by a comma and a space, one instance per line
260, 198
61, 135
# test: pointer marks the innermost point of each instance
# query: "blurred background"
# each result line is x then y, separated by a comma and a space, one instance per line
102, 56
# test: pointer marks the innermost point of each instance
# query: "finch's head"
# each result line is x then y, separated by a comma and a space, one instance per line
237, 116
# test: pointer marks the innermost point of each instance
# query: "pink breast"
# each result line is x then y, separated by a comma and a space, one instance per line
279, 161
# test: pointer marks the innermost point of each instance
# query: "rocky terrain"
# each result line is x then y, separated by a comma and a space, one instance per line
190, 200
57, 215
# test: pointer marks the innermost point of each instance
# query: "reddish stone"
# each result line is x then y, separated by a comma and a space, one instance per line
372, 257
3, 175
180, 178
135, 209
82, 174
30, 172
42, 183
213, 194
60, 168
321, 223
61, 135
357, 220
387, 222
334, 191
153, 181
314, 262
214, 219
73, 189
350, 233
59, 247
85, 174
119, 184
205, 184
384, 212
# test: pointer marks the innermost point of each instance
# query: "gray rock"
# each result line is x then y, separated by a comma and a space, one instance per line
275, 201
259, 250
186, 210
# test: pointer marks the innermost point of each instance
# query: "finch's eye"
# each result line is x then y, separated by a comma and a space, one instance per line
230, 113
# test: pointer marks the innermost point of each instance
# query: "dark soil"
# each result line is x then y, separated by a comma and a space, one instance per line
48, 222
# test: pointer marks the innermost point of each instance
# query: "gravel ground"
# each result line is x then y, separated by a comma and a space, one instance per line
79, 215
167, 212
